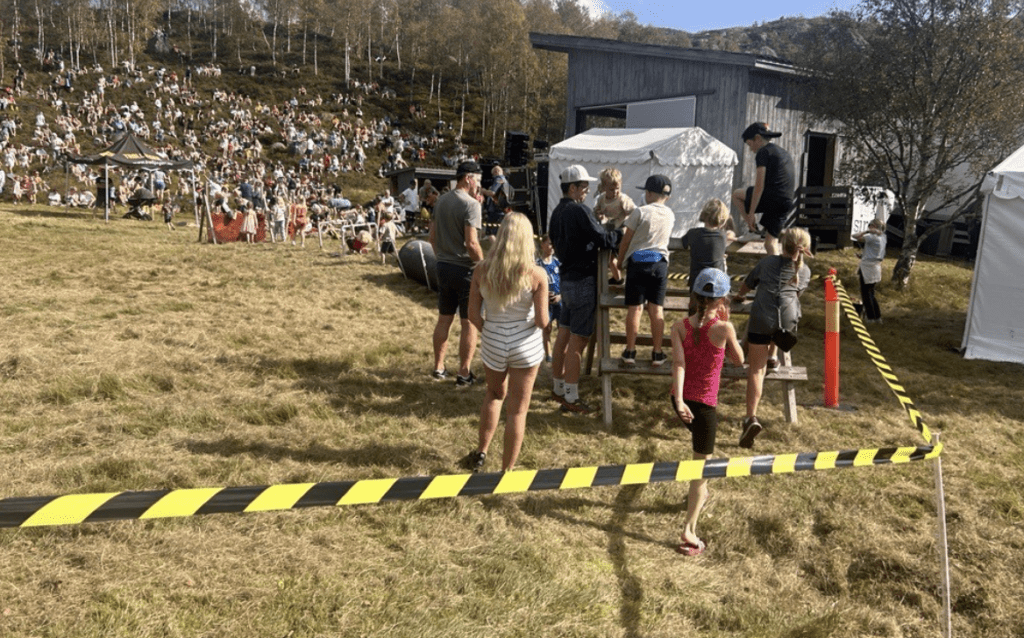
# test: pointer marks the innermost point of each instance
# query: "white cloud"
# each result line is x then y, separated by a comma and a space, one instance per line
596, 8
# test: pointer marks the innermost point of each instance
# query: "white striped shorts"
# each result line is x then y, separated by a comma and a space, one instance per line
517, 344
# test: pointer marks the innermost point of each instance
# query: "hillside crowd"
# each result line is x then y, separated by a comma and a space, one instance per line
224, 135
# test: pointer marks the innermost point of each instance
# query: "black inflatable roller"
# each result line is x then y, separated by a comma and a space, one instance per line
419, 263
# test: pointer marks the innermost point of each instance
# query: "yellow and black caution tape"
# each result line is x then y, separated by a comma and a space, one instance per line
883, 367
38, 511
93, 508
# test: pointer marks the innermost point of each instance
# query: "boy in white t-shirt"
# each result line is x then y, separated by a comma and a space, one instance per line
645, 246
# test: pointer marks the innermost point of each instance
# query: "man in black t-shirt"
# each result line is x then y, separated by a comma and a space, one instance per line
774, 187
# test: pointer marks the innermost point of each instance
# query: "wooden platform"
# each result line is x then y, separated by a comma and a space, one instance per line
676, 300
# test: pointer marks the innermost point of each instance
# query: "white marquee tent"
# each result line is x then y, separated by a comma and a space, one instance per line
700, 166
995, 323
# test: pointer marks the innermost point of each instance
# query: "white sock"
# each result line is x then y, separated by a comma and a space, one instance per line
572, 392
559, 388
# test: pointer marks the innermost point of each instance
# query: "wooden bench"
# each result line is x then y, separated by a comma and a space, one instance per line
676, 300
786, 374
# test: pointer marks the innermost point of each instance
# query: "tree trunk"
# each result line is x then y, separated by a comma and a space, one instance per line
188, 32
273, 47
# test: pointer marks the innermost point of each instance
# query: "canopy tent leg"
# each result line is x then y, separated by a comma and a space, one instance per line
106, 192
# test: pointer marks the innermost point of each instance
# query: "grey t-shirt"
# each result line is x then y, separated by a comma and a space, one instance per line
776, 296
452, 213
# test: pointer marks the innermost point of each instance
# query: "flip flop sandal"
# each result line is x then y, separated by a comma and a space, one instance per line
687, 548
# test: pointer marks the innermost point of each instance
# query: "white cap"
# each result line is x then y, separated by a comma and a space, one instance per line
575, 173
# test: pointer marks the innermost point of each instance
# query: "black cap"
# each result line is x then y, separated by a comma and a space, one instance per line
658, 184
467, 168
759, 128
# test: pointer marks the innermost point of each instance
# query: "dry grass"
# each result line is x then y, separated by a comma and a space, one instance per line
136, 358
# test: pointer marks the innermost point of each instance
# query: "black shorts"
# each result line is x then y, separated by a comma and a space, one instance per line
453, 283
646, 282
775, 216
703, 427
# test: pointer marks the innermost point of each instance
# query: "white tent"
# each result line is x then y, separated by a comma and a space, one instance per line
995, 323
700, 166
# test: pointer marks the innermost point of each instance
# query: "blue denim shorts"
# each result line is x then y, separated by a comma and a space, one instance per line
579, 306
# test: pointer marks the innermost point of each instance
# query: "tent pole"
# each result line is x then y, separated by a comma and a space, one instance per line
209, 217
106, 192
67, 185
943, 542
195, 199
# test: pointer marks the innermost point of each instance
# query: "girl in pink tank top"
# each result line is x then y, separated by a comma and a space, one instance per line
700, 344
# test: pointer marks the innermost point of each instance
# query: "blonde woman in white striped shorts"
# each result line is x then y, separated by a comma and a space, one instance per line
508, 303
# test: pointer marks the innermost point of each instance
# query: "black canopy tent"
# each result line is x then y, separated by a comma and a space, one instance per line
133, 153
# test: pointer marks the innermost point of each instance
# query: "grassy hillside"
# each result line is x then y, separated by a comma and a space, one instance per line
135, 358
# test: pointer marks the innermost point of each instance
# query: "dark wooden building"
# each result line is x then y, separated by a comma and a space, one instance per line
719, 91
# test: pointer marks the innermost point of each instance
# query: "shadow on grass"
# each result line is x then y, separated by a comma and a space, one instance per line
349, 387
403, 457
556, 506
53, 212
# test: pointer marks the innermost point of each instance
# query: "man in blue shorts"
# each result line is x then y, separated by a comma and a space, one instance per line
774, 187
578, 240
453, 235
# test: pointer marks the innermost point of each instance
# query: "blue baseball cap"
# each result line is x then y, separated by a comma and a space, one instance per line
719, 281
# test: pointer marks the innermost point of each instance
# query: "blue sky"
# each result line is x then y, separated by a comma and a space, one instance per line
701, 15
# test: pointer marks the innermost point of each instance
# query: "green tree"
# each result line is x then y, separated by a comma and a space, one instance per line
923, 92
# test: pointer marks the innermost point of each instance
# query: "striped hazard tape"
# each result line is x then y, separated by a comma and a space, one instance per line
883, 367
93, 508
38, 511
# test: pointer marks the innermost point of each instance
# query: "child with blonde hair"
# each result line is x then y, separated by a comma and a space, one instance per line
869, 271
387, 236
774, 316
700, 344
612, 206
508, 304
707, 243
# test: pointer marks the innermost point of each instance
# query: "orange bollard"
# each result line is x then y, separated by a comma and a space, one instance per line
831, 342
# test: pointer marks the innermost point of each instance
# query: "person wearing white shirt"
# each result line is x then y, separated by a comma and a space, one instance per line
411, 203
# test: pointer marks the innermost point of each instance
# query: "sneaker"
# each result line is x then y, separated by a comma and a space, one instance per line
465, 382
751, 428
772, 364
629, 358
657, 358
473, 461
439, 375
749, 237
558, 398
579, 407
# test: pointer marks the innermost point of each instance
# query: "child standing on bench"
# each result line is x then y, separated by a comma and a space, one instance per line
707, 243
700, 344
645, 245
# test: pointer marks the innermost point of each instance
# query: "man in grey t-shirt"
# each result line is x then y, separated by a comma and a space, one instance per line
453, 235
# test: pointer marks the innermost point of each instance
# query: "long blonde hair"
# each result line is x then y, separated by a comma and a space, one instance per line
796, 242
508, 267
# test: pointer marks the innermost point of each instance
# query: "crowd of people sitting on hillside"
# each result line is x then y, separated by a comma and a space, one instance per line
325, 137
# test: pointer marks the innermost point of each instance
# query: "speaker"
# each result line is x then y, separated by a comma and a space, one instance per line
516, 145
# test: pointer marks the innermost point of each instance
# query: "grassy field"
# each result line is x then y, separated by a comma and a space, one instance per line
135, 358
